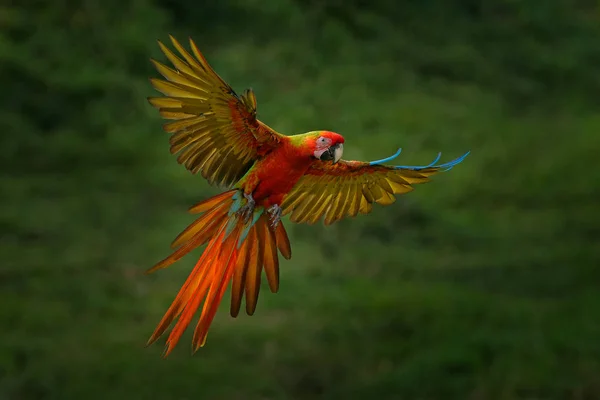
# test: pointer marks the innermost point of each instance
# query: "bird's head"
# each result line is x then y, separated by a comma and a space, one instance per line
326, 145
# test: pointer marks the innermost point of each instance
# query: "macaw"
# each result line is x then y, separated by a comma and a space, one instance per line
216, 132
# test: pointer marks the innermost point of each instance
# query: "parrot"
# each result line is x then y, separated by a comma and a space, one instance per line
265, 175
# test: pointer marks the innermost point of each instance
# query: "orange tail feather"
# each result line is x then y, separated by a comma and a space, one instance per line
237, 252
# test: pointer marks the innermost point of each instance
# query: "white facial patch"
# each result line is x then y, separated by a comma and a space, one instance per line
322, 145
319, 153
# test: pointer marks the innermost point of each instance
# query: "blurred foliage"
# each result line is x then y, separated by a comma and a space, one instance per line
480, 285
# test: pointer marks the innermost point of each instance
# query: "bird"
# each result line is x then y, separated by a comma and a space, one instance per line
265, 175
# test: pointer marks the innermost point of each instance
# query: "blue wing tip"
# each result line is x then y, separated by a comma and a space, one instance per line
387, 159
444, 167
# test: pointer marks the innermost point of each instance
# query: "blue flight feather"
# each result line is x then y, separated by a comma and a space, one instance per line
230, 225
384, 160
257, 213
237, 203
445, 167
235, 207
233, 219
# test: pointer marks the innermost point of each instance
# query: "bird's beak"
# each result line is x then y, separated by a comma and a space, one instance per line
338, 152
333, 154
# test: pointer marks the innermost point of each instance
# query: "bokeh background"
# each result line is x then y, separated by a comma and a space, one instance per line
483, 284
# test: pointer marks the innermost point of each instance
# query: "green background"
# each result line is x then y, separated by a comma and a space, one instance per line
483, 284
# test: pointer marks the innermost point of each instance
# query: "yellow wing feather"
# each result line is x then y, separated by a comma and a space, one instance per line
214, 131
348, 188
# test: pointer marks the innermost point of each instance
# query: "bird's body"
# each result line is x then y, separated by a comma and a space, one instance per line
216, 132
277, 172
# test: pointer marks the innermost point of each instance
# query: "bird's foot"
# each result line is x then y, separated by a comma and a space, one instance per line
248, 209
275, 212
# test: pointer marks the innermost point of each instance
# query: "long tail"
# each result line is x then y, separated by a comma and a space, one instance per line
237, 251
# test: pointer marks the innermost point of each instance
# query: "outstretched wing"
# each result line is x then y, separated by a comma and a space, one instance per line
351, 187
215, 131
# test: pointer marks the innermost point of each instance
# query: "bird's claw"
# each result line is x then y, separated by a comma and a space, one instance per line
275, 212
248, 209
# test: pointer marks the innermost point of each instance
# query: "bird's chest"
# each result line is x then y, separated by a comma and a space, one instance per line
277, 176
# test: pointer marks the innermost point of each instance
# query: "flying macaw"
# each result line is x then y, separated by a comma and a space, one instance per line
216, 132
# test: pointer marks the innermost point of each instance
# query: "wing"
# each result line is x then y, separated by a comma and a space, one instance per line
351, 187
215, 131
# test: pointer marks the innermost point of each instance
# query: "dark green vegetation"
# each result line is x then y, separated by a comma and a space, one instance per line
483, 284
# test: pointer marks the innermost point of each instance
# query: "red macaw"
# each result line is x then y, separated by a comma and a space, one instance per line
216, 133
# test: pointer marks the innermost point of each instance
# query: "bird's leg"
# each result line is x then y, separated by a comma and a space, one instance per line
247, 210
275, 212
